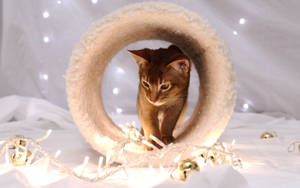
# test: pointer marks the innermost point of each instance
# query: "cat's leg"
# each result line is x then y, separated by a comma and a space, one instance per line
142, 132
168, 124
150, 126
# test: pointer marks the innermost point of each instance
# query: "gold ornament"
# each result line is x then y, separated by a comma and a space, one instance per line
267, 135
178, 174
294, 146
188, 165
21, 153
184, 168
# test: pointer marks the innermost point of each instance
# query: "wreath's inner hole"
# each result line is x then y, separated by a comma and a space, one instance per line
120, 85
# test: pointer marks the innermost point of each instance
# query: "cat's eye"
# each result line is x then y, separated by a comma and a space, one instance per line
146, 85
165, 86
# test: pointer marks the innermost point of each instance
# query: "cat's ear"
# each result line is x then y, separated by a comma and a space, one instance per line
181, 65
173, 47
140, 56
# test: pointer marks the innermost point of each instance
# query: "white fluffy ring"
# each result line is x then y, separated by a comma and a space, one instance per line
143, 21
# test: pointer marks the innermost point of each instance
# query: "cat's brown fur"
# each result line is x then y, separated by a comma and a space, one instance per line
164, 80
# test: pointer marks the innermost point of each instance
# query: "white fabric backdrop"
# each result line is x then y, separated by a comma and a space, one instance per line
37, 38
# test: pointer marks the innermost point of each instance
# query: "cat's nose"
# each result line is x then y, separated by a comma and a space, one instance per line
153, 97
151, 101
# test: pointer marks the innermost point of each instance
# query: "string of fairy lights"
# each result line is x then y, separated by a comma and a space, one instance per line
17, 151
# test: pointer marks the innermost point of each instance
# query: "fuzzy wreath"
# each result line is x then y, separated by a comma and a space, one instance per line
146, 21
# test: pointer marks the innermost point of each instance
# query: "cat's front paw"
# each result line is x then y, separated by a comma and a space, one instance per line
148, 148
168, 139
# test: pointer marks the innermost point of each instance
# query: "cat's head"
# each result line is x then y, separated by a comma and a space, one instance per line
164, 74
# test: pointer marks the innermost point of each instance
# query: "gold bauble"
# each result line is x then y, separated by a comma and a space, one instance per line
266, 135
21, 153
20, 159
184, 168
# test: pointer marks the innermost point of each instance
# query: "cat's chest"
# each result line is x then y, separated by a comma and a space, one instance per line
160, 117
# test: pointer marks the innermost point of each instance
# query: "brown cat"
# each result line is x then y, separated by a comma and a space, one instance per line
164, 80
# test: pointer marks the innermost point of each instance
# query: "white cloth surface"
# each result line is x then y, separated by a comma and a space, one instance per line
266, 163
